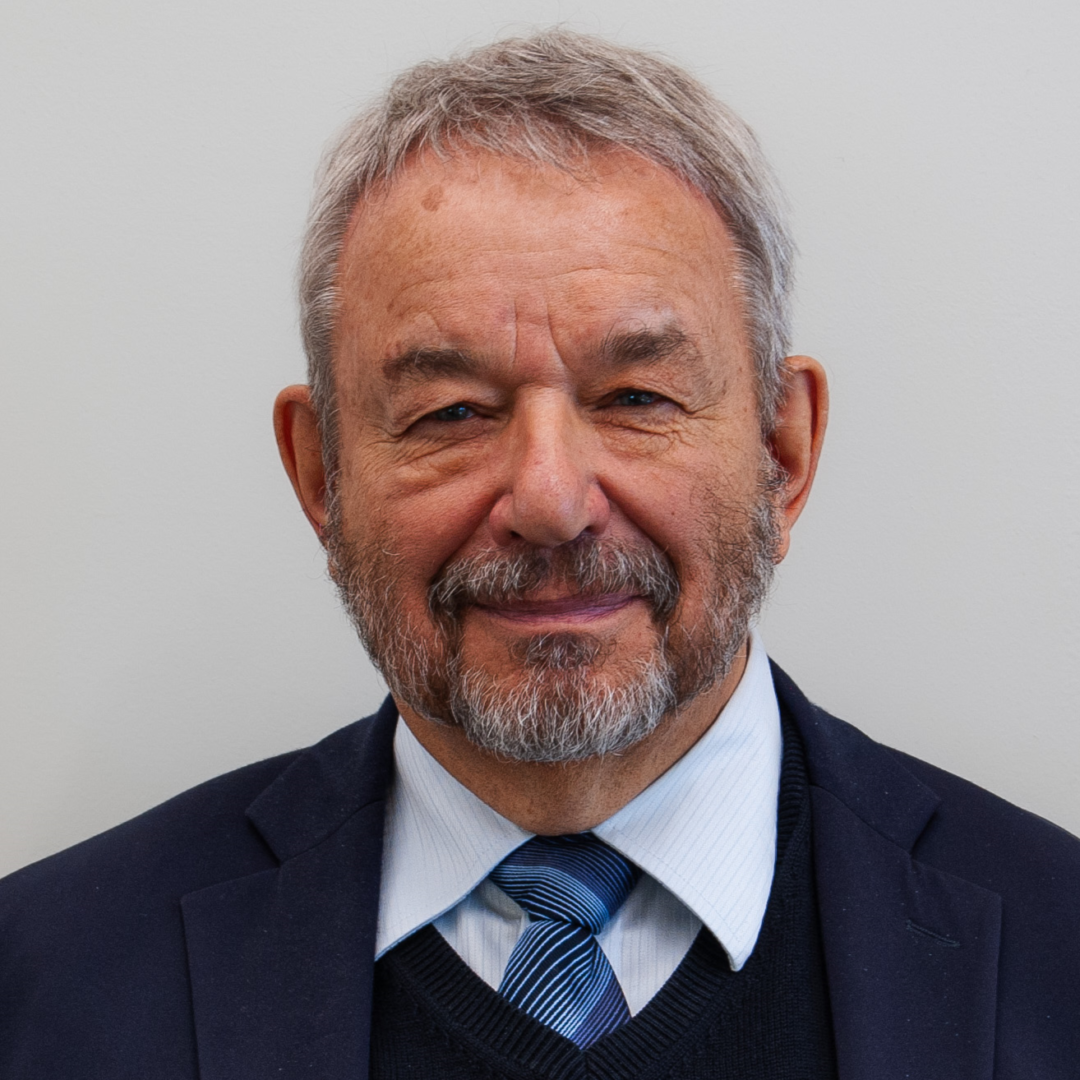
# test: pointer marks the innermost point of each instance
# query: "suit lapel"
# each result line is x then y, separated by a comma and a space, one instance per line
911, 953
281, 961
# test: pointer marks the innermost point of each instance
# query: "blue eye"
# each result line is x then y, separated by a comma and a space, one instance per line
637, 398
452, 413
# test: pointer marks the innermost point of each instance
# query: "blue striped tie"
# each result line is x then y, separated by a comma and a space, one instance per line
569, 886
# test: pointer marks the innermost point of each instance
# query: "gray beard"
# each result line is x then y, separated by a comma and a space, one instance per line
570, 699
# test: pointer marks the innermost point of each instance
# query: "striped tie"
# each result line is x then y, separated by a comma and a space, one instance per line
569, 886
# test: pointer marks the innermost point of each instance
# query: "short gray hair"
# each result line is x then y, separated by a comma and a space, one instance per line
552, 98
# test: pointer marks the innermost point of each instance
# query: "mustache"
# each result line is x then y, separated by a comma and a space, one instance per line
586, 566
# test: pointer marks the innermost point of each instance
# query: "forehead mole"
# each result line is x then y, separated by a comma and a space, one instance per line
434, 197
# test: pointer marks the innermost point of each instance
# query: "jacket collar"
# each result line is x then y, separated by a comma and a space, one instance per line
868, 778
328, 783
911, 952
281, 961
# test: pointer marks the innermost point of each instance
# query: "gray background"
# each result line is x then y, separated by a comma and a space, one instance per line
165, 613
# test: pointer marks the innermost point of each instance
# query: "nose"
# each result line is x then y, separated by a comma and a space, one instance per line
552, 493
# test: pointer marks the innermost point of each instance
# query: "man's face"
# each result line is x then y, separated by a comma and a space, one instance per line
552, 511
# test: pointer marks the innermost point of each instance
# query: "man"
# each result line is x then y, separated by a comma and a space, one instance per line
554, 447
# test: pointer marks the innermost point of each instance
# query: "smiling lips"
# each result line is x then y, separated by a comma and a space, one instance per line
578, 608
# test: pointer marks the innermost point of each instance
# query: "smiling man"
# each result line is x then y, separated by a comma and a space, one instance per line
554, 445
553, 513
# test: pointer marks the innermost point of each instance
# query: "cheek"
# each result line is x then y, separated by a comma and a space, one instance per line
665, 499
421, 527
686, 508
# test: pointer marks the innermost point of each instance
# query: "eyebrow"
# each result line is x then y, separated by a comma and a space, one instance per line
426, 362
643, 348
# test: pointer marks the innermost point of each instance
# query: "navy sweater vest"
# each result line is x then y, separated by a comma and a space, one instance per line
434, 1018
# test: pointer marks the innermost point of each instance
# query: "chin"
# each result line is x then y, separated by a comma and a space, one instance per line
566, 700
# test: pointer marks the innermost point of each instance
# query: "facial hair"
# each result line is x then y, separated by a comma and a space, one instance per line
570, 697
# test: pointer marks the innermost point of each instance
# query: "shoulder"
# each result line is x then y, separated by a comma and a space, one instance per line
179, 844
942, 835
238, 823
942, 819
1033, 866
129, 880
1031, 862
92, 942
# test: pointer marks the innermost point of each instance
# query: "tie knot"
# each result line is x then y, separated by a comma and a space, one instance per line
576, 879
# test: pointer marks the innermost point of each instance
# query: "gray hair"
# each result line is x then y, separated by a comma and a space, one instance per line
552, 98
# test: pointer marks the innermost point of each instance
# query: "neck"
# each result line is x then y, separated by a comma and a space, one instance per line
552, 798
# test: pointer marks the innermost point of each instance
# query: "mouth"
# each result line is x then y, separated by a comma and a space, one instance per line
564, 609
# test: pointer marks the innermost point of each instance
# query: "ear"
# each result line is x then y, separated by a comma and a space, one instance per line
797, 439
301, 452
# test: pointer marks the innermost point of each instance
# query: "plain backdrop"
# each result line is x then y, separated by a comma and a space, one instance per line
165, 613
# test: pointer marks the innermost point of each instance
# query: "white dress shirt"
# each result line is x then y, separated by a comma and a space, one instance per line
704, 833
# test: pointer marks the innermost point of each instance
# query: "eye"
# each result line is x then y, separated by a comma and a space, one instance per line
453, 413
637, 398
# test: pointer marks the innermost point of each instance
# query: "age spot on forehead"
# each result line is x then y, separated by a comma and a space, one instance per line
434, 198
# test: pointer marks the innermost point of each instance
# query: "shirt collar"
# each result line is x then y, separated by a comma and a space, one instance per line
439, 842
705, 829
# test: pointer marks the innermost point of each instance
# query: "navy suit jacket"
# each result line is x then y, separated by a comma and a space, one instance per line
229, 933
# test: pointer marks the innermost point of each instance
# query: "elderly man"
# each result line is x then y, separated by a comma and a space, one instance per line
554, 446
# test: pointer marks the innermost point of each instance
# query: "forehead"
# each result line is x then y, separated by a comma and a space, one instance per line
481, 251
